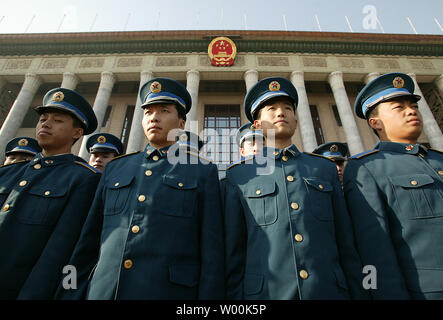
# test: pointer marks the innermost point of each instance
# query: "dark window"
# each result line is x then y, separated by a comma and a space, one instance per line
126, 130
107, 116
317, 125
336, 115
220, 125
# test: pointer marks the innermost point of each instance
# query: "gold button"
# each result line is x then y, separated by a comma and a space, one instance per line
155, 158
6, 207
141, 198
320, 186
258, 192
135, 229
414, 183
37, 166
22, 183
128, 264
47, 193
290, 178
284, 158
117, 184
149, 151
440, 172
298, 237
180, 184
148, 173
294, 205
303, 274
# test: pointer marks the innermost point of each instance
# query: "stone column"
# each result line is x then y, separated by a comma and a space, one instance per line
136, 136
100, 105
192, 85
371, 76
251, 78
345, 111
430, 126
439, 84
18, 110
304, 112
70, 81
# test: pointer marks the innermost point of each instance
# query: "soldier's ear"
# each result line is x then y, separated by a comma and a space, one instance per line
257, 124
78, 133
181, 123
375, 123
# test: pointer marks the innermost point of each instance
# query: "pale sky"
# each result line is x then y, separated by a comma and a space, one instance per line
36, 16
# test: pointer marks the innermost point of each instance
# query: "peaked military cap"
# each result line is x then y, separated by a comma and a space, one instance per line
265, 90
190, 139
248, 131
22, 145
382, 88
333, 150
165, 90
72, 102
104, 142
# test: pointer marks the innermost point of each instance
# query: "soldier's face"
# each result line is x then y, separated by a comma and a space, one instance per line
158, 120
278, 115
340, 168
56, 131
398, 120
15, 157
100, 159
251, 147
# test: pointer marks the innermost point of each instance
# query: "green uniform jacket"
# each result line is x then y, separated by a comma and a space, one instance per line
395, 199
155, 229
44, 205
288, 234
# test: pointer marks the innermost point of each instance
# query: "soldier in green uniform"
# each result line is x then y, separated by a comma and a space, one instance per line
337, 152
287, 231
155, 228
44, 202
103, 147
21, 148
395, 194
250, 140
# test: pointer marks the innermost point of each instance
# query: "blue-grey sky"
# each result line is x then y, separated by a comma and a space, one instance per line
376, 16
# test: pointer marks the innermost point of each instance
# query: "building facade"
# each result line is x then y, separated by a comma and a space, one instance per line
328, 70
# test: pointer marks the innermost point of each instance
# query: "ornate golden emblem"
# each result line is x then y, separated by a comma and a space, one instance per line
58, 96
333, 148
398, 82
23, 142
156, 87
101, 139
222, 52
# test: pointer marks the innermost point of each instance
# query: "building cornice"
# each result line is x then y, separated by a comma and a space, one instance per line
197, 41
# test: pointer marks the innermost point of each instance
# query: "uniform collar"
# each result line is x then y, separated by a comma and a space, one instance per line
401, 147
52, 160
151, 151
278, 153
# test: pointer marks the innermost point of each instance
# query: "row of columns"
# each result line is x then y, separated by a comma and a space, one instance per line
32, 82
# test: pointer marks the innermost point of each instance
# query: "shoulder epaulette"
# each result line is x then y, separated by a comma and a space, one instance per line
87, 166
10, 164
242, 160
364, 154
318, 155
439, 151
124, 155
197, 155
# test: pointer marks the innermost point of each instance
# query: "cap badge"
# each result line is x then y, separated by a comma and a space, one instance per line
274, 86
156, 87
333, 148
398, 82
183, 137
58, 96
23, 142
101, 139
409, 148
